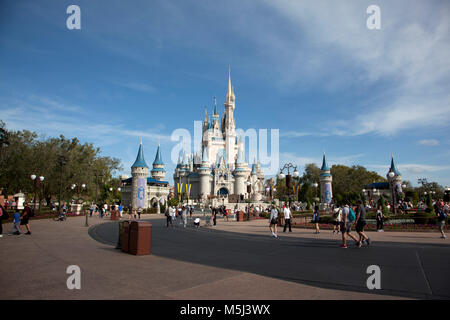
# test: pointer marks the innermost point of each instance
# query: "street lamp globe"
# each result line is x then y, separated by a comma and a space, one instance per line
33, 176
41, 178
296, 174
391, 174
281, 175
110, 189
118, 189
315, 184
73, 186
274, 189
83, 186
364, 190
425, 193
403, 186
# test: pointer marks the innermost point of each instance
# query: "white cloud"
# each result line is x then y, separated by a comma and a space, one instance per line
409, 52
429, 142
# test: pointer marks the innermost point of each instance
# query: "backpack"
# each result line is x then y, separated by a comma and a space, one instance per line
442, 216
351, 215
31, 212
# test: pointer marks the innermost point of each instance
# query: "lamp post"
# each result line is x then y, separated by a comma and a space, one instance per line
281, 175
36, 185
394, 199
315, 185
61, 162
111, 190
249, 191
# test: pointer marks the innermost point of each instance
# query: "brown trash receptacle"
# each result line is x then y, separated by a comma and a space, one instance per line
114, 215
140, 238
125, 241
240, 216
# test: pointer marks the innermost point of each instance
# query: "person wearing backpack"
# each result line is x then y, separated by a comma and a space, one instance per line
337, 213
441, 222
380, 219
348, 218
27, 213
360, 224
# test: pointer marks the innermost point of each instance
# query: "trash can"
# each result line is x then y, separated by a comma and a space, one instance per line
140, 238
240, 216
125, 236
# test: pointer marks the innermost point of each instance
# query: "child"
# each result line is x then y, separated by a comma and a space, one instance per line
16, 224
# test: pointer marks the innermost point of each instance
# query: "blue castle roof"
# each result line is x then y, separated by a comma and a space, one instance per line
140, 162
324, 164
393, 168
158, 158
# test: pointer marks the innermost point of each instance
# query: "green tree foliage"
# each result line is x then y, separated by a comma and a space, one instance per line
27, 154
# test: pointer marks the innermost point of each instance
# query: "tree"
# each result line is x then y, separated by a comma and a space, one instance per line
27, 154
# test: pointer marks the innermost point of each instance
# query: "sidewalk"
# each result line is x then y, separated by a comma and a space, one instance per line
37, 267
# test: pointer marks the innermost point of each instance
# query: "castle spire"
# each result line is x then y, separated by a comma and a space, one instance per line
324, 164
140, 162
393, 168
158, 159
229, 82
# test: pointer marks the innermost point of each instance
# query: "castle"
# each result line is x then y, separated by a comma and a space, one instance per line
220, 171
142, 191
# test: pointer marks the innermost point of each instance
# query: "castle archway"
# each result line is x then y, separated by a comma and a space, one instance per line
223, 192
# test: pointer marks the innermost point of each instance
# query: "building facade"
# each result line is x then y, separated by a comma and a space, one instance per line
220, 171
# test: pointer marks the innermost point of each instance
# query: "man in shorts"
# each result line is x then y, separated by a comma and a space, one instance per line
273, 222
360, 224
346, 226
25, 218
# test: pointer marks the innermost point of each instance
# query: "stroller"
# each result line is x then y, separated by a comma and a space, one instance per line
61, 216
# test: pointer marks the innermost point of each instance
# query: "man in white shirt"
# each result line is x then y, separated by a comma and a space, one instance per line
287, 218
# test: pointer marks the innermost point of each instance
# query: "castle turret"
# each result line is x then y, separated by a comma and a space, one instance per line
139, 172
326, 192
204, 172
396, 180
228, 123
240, 174
158, 172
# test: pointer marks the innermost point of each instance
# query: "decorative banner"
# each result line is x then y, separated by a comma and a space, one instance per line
188, 189
327, 192
141, 192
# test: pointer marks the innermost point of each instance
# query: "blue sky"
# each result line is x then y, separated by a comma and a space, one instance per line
309, 68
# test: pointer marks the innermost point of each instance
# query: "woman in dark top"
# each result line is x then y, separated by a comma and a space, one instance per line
316, 218
25, 217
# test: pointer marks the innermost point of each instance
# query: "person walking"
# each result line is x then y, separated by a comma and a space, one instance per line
25, 218
101, 212
287, 218
184, 214
360, 224
442, 215
273, 222
348, 218
168, 217
337, 213
315, 218
121, 210
214, 216
139, 211
3, 216
380, 217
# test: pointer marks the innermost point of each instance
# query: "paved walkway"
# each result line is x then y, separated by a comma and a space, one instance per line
231, 261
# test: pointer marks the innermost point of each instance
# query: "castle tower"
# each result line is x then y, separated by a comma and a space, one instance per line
240, 173
326, 192
204, 172
396, 180
229, 126
158, 172
139, 172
